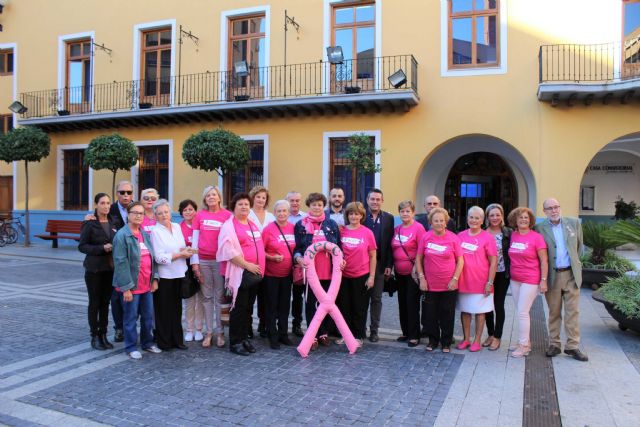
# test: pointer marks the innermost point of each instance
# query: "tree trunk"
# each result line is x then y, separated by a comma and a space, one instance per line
26, 205
113, 186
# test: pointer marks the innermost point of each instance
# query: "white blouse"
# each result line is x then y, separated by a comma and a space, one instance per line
268, 219
165, 244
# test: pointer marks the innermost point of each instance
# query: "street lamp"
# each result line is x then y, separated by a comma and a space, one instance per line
17, 106
334, 54
397, 79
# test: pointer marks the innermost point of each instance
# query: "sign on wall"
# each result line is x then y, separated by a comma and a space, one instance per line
609, 168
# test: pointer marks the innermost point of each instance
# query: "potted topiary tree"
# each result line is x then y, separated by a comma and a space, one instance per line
601, 262
215, 150
112, 152
30, 144
621, 297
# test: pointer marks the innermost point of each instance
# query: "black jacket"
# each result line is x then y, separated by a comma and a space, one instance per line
114, 213
92, 241
384, 256
506, 242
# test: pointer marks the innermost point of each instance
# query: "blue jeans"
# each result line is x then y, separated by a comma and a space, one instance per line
116, 309
142, 304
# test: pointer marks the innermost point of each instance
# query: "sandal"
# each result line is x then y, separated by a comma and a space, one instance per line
431, 346
446, 349
220, 341
488, 341
206, 342
495, 344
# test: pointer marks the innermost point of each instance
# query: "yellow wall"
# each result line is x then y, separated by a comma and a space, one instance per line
557, 143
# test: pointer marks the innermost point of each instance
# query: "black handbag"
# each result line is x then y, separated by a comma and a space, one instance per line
189, 285
391, 285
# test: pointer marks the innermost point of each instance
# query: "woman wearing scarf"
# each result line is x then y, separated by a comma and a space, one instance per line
314, 228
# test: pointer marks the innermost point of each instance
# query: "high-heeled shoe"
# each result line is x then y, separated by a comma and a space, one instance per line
106, 342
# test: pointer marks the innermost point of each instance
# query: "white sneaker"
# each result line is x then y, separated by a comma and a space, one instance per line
135, 355
153, 349
198, 336
188, 337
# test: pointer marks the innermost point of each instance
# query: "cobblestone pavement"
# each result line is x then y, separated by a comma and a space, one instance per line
50, 376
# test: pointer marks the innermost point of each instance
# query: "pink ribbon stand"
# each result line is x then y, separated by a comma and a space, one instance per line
326, 300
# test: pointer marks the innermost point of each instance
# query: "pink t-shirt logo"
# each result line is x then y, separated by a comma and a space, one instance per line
211, 224
469, 246
288, 237
143, 247
403, 239
434, 248
352, 241
519, 247
254, 234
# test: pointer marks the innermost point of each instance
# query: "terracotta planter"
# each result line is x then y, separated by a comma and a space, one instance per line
595, 277
624, 322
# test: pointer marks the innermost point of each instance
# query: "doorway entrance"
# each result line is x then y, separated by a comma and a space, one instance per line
479, 178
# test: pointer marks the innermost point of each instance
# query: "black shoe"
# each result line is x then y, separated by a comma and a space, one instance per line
119, 335
248, 346
285, 341
181, 347
97, 344
238, 349
373, 337
577, 354
275, 345
297, 331
553, 351
402, 338
106, 342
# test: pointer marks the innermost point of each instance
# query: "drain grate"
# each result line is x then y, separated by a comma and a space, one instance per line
540, 405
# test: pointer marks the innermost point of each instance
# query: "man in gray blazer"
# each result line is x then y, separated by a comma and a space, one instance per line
564, 242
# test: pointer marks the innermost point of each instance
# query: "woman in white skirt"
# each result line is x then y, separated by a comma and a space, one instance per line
475, 289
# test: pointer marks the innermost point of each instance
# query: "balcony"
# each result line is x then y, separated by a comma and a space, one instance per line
571, 73
319, 88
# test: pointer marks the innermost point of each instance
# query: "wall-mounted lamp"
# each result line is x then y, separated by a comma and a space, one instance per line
334, 54
397, 79
17, 107
241, 68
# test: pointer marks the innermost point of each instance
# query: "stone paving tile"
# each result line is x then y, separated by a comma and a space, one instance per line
379, 385
41, 272
32, 327
629, 342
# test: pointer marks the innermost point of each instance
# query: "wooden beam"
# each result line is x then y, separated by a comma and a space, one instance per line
570, 99
607, 98
627, 96
588, 99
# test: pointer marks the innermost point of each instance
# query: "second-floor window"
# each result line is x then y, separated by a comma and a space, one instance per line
6, 123
76, 181
78, 84
6, 62
473, 33
153, 169
631, 39
156, 66
356, 184
354, 31
248, 177
247, 43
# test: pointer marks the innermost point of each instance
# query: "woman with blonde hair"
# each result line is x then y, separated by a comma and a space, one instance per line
148, 197
206, 229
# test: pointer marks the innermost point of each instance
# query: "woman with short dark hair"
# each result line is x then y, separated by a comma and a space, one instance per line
194, 310
96, 239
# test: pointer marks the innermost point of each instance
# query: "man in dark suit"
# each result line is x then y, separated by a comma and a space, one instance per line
430, 202
381, 223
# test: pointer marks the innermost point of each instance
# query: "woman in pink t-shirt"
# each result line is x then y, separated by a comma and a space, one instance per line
279, 243
194, 312
359, 248
404, 247
148, 197
439, 263
528, 271
476, 281
206, 229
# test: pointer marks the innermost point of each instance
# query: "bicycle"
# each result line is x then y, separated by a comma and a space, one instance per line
10, 230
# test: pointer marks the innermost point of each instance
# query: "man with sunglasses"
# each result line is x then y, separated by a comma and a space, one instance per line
118, 210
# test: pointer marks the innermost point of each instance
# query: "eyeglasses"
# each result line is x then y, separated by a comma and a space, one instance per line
552, 208
147, 198
136, 213
122, 193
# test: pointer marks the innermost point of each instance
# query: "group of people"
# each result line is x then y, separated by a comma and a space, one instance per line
137, 259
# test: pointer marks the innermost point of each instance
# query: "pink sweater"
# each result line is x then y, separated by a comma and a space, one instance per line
229, 248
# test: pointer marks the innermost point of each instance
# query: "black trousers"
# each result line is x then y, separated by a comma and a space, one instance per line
278, 299
259, 295
167, 305
409, 295
297, 292
353, 301
99, 289
310, 310
500, 287
441, 313
239, 316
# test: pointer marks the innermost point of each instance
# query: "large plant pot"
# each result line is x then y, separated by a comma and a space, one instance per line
624, 322
595, 277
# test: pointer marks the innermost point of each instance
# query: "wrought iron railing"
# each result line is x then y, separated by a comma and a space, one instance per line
263, 83
589, 62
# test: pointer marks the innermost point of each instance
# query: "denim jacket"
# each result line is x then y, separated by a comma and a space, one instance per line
303, 240
126, 259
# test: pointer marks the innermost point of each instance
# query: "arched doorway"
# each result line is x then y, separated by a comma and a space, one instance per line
479, 178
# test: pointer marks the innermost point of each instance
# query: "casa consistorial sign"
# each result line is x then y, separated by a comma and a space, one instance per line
608, 168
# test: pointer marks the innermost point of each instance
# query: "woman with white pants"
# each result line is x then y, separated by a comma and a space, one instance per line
528, 271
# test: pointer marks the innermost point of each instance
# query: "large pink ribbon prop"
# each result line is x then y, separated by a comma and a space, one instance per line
326, 300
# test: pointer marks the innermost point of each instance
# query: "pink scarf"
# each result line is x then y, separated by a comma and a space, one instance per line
309, 221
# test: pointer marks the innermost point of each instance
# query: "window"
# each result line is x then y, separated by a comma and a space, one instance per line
153, 169
78, 75
353, 29
6, 123
471, 190
6, 62
156, 67
356, 185
587, 198
631, 39
76, 181
251, 175
247, 43
473, 33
